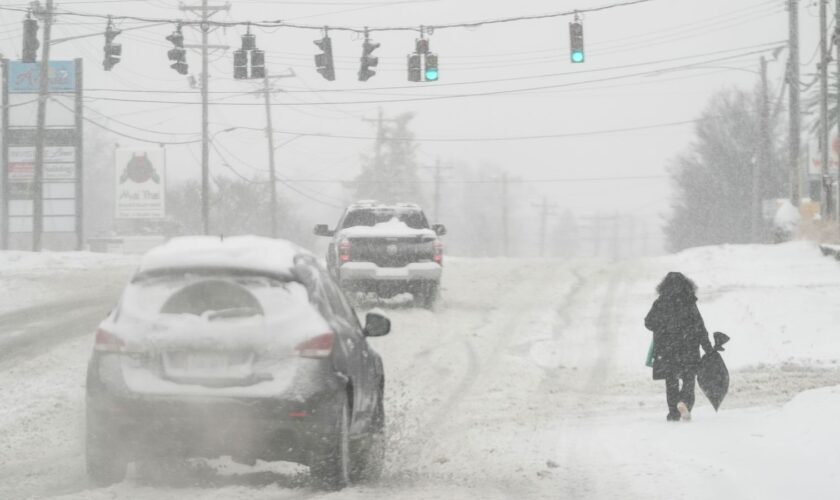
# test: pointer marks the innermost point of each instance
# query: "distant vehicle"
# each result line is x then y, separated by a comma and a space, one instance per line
243, 347
386, 249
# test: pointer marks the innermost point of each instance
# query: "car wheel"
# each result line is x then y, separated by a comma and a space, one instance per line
330, 463
106, 463
368, 457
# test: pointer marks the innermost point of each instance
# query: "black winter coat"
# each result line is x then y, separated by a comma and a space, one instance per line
678, 334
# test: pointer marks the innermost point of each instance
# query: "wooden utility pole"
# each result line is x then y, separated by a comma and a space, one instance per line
837, 92
269, 131
546, 209
794, 116
762, 163
206, 11
438, 168
824, 142
43, 95
272, 175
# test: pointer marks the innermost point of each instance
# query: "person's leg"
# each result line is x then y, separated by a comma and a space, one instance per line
672, 396
687, 391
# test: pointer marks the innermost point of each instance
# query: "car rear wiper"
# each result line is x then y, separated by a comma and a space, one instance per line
233, 312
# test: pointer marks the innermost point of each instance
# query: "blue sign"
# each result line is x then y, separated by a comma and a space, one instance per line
25, 77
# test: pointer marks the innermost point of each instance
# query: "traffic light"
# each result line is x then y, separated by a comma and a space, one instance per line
240, 64
257, 63
415, 72
241, 69
324, 61
30, 40
431, 72
576, 42
421, 46
368, 61
112, 50
177, 53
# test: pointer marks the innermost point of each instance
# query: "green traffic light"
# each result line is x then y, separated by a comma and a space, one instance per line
431, 75
577, 56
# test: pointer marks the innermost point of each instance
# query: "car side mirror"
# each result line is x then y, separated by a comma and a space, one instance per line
323, 230
376, 325
439, 229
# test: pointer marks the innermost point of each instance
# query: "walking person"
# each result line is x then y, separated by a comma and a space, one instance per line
678, 335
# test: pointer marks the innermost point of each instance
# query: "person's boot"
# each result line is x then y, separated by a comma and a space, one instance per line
685, 414
673, 416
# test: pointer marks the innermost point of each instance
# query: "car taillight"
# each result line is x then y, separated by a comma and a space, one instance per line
108, 342
344, 251
317, 347
439, 252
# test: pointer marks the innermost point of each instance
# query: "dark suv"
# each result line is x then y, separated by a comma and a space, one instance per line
242, 347
386, 249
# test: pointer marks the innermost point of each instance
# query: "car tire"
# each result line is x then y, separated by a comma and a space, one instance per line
368, 457
105, 462
330, 462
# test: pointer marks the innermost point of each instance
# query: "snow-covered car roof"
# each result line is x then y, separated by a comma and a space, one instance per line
244, 253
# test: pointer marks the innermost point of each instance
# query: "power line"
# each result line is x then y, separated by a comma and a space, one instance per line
282, 24
765, 46
455, 96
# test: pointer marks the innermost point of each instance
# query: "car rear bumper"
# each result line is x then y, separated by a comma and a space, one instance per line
368, 271
270, 429
270, 426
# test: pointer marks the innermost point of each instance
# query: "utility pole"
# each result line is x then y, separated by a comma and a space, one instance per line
546, 209
793, 85
380, 137
761, 166
272, 175
438, 168
206, 12
269, 131
43, 94
826, 208
837, 59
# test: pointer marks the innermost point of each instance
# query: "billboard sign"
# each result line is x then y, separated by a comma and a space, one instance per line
140, 184
26, 77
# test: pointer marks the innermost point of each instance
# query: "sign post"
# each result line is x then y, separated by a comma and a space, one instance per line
60, 182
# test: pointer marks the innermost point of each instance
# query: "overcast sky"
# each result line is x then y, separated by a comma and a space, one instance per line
592, 97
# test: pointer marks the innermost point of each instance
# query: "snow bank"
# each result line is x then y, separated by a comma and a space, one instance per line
17, 262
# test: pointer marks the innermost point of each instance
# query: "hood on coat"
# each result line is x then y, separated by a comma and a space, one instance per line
676, 285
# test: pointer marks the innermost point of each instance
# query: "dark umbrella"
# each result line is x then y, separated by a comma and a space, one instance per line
713, 377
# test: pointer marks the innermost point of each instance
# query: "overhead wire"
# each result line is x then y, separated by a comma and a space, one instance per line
281, 23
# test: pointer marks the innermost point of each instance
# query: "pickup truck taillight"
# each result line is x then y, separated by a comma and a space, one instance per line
344, 251
439, 252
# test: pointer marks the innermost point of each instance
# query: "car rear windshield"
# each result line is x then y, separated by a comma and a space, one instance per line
372, 216
212, 295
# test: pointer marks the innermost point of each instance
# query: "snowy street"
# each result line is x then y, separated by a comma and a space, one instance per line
528, 381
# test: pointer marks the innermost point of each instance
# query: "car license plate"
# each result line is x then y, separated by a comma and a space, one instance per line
206, 361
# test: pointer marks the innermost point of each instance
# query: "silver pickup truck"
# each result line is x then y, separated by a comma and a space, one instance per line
387, 249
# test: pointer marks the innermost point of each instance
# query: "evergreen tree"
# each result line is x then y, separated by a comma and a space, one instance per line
713, 178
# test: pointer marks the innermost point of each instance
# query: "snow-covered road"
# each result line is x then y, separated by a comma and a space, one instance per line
526, 382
